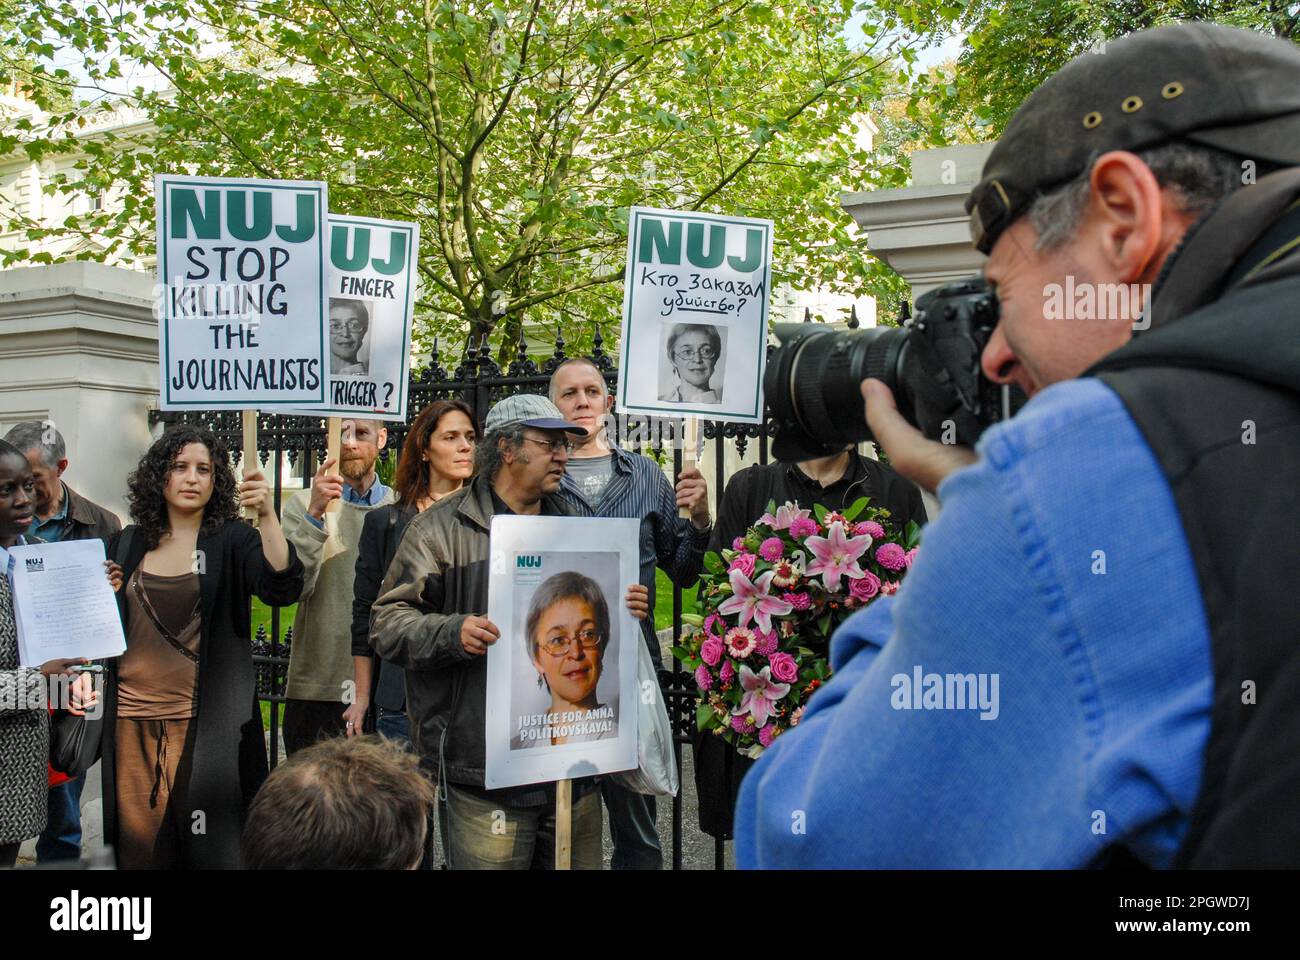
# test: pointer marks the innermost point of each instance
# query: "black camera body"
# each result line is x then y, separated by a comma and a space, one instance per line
932, 364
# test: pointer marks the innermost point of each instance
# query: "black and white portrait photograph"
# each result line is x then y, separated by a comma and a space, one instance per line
691, 364
349, 348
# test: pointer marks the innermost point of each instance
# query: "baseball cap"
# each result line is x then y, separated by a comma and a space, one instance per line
529, 410
1218, 86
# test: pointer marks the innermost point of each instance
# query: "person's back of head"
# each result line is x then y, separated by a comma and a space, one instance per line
356, 803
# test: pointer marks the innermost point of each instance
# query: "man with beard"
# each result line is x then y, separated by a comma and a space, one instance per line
321, 695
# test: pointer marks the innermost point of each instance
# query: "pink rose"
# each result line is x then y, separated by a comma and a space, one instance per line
865, 587
891, 556
869, 528
711, 651
771, 549
745, 563
800, 601
803, 527
784, 668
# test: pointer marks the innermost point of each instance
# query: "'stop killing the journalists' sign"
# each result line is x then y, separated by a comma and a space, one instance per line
242, 267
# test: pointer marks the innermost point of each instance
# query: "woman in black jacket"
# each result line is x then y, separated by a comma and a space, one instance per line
183, 745
436, 460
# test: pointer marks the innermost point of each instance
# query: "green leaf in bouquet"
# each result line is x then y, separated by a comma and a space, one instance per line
803, 651
820, 513
856, 508
824, 624
771, 508
713, 563
706, 718
912, 535
682, 654
693, 619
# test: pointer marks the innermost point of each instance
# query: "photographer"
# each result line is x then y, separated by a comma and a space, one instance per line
1107, 564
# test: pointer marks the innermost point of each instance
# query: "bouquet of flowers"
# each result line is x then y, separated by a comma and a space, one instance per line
771, 602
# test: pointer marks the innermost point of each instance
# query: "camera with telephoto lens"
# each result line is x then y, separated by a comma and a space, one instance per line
931, 363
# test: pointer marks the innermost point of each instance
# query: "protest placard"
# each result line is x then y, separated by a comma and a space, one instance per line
64, 607
243, 293
372, 287
695, 299
562, 677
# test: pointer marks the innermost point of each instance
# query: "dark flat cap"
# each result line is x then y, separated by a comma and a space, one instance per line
1219, 86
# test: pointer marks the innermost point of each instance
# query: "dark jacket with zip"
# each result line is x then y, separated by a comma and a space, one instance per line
438, 577
1214, 386
88, 520
380, 534
228, 755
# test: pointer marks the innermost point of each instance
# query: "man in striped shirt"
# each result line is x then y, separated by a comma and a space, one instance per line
603, 481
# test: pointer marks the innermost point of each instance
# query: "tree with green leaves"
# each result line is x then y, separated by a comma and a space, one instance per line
517, 134
1011, 46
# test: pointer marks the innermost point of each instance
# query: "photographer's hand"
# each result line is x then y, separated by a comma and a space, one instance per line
910, 453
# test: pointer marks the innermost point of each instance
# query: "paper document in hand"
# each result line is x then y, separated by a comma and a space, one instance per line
63, 603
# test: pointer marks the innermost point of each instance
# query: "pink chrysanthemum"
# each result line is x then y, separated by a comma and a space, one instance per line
771, 549
803, 527
767, 734
869, 528
767, 644
911, 556
742, 724
738, 543
703, 679
727, 673
891, 556
800, 601
741, 642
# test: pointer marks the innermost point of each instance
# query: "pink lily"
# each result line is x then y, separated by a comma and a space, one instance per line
751, 600
786, 514
761, 694
836, 556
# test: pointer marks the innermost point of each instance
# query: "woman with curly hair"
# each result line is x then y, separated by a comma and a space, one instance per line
183, 745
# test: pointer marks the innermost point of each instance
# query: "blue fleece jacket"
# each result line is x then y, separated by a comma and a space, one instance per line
1059, 576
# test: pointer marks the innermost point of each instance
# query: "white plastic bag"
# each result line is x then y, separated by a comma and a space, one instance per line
656, 774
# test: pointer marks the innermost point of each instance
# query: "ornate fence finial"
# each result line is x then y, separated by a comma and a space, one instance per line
807, 315
853, 317
904, 313
598, 355
559, 342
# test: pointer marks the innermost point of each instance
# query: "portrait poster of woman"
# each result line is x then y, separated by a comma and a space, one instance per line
561, 679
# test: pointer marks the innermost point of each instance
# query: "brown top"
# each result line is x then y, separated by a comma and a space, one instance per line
155, 681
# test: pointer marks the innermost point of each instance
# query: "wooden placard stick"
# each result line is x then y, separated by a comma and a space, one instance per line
251, 460
563, 824
333, 447
690, 445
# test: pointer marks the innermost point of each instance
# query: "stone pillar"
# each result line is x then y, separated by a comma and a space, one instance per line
923, 231
79, 347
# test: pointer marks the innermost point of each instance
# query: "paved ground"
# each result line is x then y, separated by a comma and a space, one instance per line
697, 847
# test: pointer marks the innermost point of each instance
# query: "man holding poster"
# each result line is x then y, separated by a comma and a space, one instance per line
430, 619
